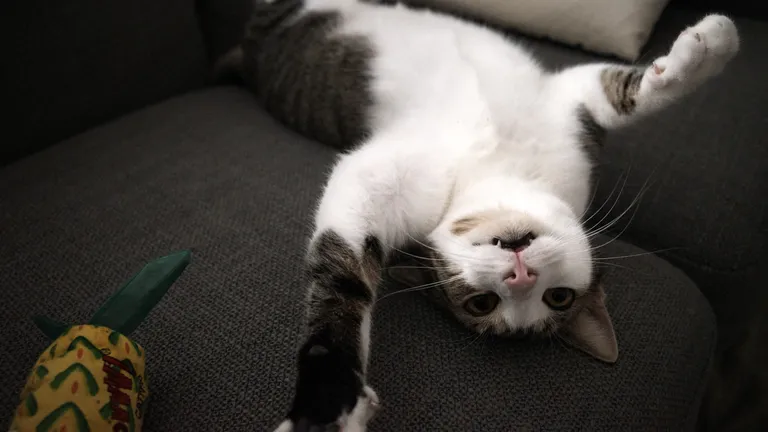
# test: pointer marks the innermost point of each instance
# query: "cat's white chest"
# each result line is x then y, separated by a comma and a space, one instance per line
475, 102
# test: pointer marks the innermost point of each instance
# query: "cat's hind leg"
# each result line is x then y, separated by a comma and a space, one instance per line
615, 94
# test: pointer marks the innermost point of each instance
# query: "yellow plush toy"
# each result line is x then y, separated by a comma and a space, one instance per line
92, 377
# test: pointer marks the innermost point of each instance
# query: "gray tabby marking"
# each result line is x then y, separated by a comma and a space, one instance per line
334, 266
621, 86
313, 80
592, 134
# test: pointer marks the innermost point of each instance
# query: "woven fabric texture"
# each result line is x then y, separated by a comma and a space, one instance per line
211, 172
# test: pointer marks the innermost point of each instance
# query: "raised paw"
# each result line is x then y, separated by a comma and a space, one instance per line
699, 53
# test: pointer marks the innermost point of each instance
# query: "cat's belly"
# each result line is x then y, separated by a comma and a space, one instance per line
551, 161
468, 91
437, 66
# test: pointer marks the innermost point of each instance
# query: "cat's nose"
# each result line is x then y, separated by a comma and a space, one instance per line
521, 278
521, 281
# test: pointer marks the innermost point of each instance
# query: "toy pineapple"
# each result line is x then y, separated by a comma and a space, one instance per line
92, 377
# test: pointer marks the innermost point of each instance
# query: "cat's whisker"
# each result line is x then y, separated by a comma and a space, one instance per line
608, 199
447, 260
633, 203
629, 222
418, 256
475, 339
421, 243
420, 287
638, 254
415, 267
643, 190
561, 341
607, 264
451, 254
596, 212
591, 200
616, 201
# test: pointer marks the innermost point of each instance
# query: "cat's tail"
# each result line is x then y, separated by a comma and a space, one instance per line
229, 67
266, 17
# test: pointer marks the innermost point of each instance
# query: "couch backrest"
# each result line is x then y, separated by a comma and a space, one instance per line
755, 9
69, 65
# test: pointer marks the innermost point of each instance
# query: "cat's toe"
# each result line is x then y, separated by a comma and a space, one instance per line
699, 52
286, 426
366, 407
687, 53
715, 38
722, 36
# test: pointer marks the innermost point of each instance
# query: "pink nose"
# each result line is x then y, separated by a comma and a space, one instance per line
521, 278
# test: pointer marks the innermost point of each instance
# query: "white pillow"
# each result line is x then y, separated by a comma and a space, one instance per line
617, 27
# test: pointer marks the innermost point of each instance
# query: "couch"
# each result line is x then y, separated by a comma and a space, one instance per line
118, 148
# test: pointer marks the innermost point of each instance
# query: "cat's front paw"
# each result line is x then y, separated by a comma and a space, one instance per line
330, 393
355, 420
700, 52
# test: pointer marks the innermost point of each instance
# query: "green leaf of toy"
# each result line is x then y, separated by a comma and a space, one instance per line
52, 329
127, 308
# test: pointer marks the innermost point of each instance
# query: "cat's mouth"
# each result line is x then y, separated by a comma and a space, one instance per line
515, 244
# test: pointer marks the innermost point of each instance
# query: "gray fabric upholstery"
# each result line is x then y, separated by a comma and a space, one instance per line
744, 8
68, 65
704, 160
211, 172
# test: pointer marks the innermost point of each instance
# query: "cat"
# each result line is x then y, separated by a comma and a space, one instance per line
458, 141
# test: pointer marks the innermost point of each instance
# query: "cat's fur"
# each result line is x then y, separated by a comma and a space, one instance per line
462, 144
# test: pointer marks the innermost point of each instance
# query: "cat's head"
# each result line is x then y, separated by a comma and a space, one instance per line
511, 273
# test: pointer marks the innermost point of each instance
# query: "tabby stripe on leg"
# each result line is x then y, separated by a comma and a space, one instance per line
621, 86
334, 267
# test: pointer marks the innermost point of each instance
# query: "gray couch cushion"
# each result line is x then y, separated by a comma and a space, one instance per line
68, 65
211, 172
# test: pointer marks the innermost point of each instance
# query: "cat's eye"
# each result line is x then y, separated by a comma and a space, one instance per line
559, 298
481, 304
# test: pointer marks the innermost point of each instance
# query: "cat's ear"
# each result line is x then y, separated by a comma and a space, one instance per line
591, 329
409, 273
411, 269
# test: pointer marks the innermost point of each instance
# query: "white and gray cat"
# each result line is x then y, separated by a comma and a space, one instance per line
461, 143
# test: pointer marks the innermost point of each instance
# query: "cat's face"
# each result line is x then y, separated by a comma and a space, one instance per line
509, 273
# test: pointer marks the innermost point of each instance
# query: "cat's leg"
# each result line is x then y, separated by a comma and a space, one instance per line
615, 95
357, 222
